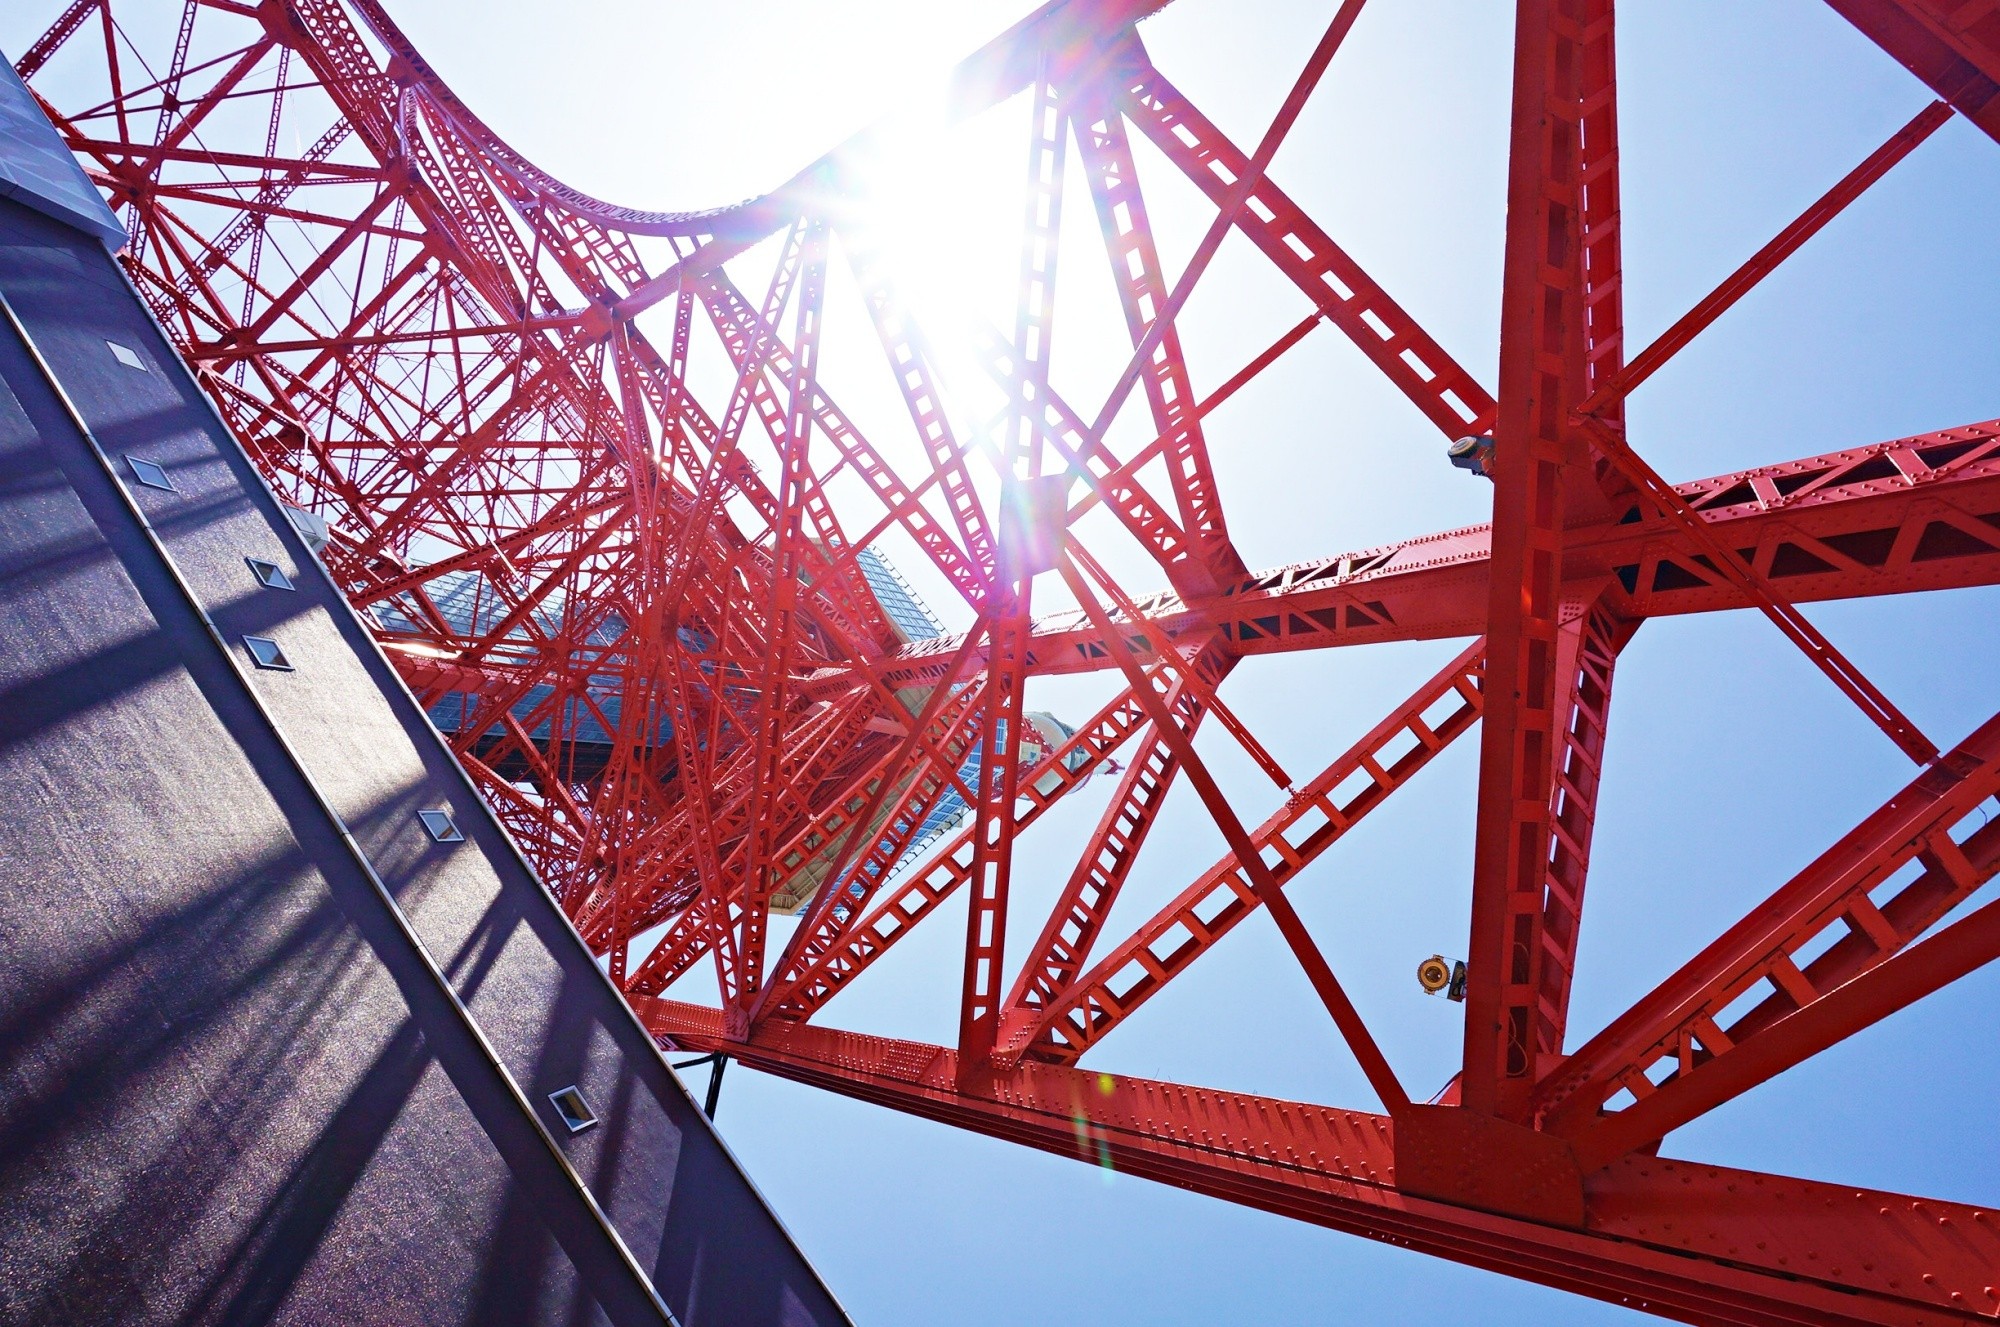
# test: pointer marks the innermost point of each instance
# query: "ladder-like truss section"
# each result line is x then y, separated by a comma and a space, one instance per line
635, 574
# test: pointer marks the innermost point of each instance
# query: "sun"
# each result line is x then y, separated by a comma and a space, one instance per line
941, 220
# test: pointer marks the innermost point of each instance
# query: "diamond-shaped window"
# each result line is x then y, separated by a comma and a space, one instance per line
151, 473
127, 356
269, 574
575, 1111
441, 827
267, 654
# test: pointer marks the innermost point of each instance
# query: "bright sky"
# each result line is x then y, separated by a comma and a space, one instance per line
1731, 762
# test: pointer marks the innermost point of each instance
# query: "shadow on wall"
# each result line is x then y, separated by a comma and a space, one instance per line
237, 1065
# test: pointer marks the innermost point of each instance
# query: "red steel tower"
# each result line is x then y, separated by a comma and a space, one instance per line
632, 572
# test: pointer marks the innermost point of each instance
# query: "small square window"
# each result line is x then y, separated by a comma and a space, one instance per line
151, 473
267, 654
440, 826
127, 356
574, 1110
269, 574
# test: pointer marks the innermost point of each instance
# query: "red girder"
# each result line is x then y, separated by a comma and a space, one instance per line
1953, 46
1682, 1026
1700, 1243
1080, 912
868, 936
910, 359
1562, 72
1588, 639
1347, 296
837, 910
1135, 267
1311, 821
993, 828
1263, 880
1915, 514
1005, 714
646, 614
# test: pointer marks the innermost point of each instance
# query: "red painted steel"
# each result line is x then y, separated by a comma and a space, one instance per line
1682, 1027
1704, 1244
1562, 71
637, 594
1952, 45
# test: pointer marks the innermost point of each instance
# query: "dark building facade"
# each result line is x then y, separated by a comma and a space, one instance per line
288, 1030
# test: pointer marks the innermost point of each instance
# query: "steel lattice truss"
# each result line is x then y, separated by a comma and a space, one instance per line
642, 603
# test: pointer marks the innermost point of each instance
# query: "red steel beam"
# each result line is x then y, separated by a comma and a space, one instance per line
867, 937
1708, 548
1951, 45
1826, 928
1230, 207
1311, 821
1135, 270
1263, 882
1703, 1244
1589, 638
1335, 284
1607, 391
1821, 1021
1094, 884
1021, 554
1916, 514
1562, 82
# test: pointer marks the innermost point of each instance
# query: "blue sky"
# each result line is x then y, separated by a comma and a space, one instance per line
1730, 761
